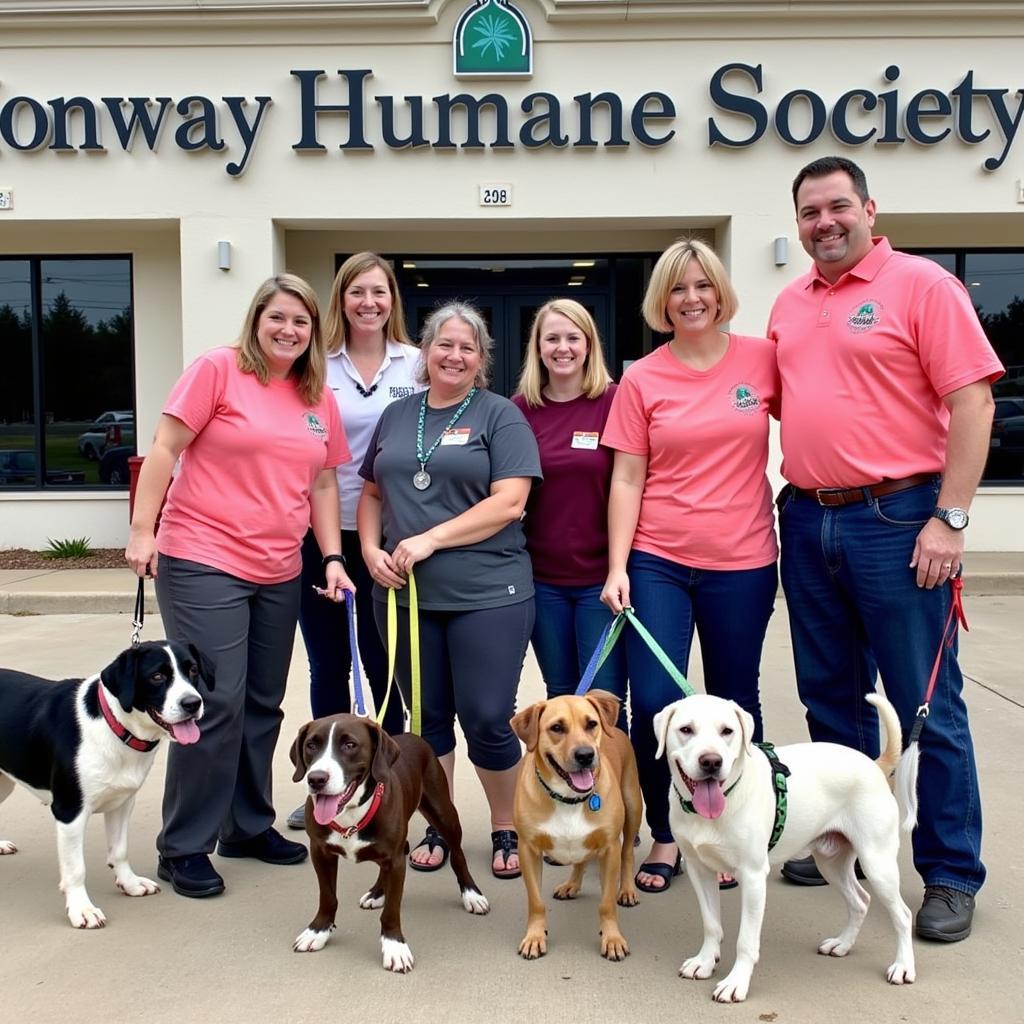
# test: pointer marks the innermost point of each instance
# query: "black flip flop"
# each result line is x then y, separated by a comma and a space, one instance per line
431, 839
664, 871
505, 840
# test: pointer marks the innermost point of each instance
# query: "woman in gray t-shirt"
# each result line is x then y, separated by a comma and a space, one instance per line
448, 474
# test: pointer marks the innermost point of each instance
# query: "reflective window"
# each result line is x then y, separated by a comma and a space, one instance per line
67, 410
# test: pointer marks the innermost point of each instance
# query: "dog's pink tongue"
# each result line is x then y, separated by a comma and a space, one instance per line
708, 800
185, 732
325, 808
583, 780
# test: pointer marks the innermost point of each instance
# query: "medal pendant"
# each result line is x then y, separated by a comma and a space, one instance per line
421, 480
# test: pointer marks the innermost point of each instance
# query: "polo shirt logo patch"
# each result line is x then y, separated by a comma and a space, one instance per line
399, 392
315, 427
744, 398
865, 316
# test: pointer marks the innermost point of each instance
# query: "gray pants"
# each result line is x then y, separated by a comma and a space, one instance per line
221, 786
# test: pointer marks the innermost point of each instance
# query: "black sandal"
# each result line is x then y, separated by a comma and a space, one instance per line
431, 840
505, 840
666, 872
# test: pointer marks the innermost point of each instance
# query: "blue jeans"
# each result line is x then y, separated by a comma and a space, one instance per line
567, 629
730, 609
855, 610
324, 628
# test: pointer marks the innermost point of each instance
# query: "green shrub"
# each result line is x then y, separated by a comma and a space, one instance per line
73, 547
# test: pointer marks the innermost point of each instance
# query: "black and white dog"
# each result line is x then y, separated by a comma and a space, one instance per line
86, 745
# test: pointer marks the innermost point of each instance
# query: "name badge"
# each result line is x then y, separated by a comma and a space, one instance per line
457, 435
585, 439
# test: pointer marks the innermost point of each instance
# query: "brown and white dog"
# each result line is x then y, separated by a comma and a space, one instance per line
577, 799
722, 810
364, 786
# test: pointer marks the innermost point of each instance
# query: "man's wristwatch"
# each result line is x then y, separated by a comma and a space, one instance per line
954, 518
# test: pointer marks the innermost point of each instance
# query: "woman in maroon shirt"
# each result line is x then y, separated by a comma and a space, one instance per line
565, 392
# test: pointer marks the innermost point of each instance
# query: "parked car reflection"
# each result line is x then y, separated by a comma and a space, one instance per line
110, 429
113, 467
18, 466
1006, 446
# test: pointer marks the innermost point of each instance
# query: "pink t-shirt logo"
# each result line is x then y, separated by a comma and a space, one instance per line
315, 427
745, 398
864, 317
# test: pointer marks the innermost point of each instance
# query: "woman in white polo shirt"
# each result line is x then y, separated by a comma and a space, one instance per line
370, 364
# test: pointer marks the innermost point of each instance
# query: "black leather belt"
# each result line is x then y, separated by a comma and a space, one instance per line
832, 497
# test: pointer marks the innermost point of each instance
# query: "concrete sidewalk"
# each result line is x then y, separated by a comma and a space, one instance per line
100, 591
169, 959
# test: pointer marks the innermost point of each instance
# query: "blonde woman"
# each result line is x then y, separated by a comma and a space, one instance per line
258, 439
691, 529
565, 392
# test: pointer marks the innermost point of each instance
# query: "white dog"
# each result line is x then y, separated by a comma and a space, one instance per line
723, 811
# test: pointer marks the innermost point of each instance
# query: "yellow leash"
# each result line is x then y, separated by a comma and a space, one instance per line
414, 712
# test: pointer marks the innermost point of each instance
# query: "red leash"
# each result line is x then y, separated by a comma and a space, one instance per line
955, 618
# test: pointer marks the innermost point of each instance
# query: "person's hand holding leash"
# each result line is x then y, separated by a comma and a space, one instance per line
383, 569
338, 582
412, 550
937, 553
141, 553
616, 590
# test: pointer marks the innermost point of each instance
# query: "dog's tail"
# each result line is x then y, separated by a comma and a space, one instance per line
902, 768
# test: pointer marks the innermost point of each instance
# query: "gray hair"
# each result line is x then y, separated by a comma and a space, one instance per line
474, 320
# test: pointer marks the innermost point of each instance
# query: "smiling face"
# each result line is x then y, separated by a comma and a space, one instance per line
692, 306
834, 223
563, 349
453, 360
367, 303
283, 333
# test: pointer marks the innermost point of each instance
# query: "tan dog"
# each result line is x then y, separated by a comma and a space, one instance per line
577, 799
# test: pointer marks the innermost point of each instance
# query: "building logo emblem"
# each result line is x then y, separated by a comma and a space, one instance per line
492, 40
864, 316
744, 398
315, 427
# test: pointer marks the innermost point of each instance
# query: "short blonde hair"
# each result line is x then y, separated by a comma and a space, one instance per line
335, 324
668, 272
534, 376
311, 367
473, 319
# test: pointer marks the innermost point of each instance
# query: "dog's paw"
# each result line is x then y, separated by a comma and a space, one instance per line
533, 946
698, 968
136, 885
371, 900
85, 915
6, 846
731, 989
900, 974
474, 902
397, 956
310, 941
566, 891
628, 897
835, 947
614, 947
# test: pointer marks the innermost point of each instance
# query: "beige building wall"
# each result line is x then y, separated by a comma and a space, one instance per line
169, 208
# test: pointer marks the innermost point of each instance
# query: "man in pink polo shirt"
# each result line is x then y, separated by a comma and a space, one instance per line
886, 417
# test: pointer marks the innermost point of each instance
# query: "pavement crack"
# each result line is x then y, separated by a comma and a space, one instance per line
994, 691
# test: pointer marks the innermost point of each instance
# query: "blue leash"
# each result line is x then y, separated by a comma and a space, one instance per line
357, 679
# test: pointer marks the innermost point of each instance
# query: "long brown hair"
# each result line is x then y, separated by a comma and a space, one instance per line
335, 324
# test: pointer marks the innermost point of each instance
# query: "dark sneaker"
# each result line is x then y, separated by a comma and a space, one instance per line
270, 847
297, 819
945, 915
805, 872
191, 875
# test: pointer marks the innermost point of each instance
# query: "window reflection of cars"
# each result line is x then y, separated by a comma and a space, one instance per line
113, 467
18, 466
1008, 427
109, 429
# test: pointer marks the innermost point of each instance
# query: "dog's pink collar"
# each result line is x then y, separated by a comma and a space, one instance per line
127, 738
351, 830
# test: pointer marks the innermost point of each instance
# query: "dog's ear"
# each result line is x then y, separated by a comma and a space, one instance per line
204, 664
607, 707
746, 720
526, 724
298, 755
386, 753
661, 723
120, 675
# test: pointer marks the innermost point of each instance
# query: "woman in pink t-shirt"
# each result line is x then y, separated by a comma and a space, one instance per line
259, 440
565, 393
691, 527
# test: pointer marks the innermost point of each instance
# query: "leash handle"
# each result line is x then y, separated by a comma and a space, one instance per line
414, 714
140, 613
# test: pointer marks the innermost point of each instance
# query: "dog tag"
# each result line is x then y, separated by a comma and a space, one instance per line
594, 803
